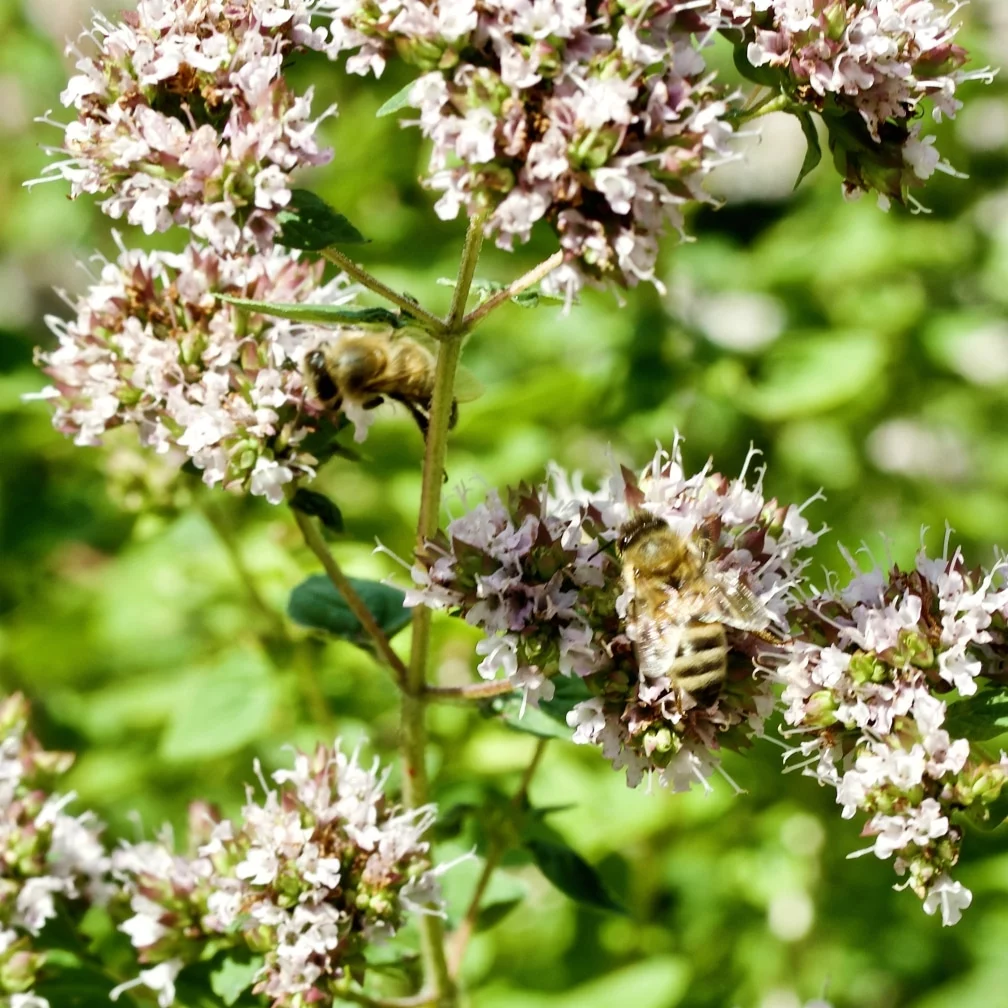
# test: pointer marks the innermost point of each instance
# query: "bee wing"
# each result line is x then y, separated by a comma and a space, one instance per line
656, 638
729, 600
467, 386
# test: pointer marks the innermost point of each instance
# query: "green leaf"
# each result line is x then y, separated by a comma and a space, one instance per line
813, 153
398, 101
493, 913
533, 721
571, 874
234, 976
321, 314
549, 719
528, 298
315, 603
227, 706
78, 987
979, 717
812, 373
308, 222
311, 502
764, 75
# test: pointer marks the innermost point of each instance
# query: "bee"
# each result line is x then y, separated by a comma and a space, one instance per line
680, 605
366, 367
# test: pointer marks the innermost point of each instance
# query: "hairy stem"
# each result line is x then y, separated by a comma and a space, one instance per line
533, 276
460, 940
435, 326
413, 739
471, 691
313, 538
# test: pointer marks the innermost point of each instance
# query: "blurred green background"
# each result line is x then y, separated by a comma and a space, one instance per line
862, 352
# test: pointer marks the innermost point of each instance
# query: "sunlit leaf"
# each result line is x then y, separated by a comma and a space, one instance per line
979, 717
398, 101
308, 222
229, 705
234, 976
321, 314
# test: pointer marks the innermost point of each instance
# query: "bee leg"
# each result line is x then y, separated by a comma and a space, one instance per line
421, 418
373, 402
453, 416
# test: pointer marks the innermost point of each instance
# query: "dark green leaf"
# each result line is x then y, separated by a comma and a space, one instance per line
308, 222
493, 913
571, 874
311, 502
315, 603
980, 717
813, 153
764, 75
398, 101
234, 976
321, 314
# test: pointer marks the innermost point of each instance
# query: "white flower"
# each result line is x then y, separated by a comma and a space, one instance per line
160, 979
951, 897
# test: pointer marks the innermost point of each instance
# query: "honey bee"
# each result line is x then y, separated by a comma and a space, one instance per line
680, 605
366, 367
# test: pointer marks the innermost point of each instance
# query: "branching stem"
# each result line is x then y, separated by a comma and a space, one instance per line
513, 289
315, 542
435, 326
460, 940
413, 740
470, 691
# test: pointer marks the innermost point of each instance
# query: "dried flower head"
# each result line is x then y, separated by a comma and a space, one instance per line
868, 66
48, 857
862, 692
152, 345
308, 878
184, 116
600, 119
540, 575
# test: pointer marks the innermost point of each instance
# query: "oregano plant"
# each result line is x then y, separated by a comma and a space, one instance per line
259, 349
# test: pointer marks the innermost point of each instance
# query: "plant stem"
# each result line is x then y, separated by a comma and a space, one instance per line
226, 535
533, 276
470, 691
413, 741
460, 939
431, 322
772, 103
359, 997
313, 538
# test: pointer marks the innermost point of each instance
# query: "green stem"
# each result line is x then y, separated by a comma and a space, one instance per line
533, 276
470, 691
413, 741
315, 542
228, 539
772, 103
359, 997
435, 326
460, 940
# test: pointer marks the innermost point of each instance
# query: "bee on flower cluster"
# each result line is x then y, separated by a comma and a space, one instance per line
680, 605
367, 367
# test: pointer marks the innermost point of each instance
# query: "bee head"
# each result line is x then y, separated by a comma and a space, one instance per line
638, 525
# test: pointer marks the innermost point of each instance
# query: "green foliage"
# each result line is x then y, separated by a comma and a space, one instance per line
570, 873
979, 717
318, 505
116, 624
317, 604
321, 314
308, 222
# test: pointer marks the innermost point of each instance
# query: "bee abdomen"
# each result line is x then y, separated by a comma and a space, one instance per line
702, 660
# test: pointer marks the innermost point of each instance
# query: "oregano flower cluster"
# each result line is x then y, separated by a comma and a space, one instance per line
153, 345
540, 575
865, 688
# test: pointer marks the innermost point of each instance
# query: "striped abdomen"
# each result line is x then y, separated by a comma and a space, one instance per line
701, 661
